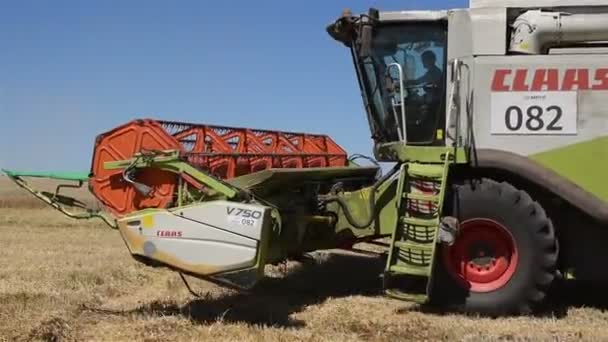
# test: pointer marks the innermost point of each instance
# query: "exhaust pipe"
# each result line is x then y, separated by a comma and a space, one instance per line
536, 31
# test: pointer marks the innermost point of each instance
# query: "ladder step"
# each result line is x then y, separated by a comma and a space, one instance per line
426, 170
422, 197
416, 298
420, 222
414, 246
417, 271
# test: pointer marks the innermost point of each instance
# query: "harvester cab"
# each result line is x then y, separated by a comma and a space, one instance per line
401, 68
493, 115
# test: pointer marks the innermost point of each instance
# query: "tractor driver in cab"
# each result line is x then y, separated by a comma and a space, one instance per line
425, 107
433, 74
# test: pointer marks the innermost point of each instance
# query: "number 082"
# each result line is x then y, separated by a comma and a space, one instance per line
534, 118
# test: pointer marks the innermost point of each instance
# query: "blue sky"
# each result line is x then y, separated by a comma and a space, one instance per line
70, 70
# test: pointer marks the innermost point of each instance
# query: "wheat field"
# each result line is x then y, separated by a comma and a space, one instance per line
65, 280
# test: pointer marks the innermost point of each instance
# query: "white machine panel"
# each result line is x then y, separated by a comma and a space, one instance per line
242, 219
208, 252
169, 226
535, 3
565, 92
208, 238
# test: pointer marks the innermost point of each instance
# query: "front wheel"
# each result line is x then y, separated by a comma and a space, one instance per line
504, 258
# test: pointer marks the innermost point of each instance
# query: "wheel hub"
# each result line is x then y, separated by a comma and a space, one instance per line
484, 257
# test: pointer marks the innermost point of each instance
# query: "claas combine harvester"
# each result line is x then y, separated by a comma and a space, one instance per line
494, 117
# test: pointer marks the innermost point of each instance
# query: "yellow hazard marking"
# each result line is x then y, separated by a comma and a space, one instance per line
147, 221
439, 134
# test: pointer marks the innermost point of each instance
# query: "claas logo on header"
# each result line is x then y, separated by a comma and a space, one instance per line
169, 233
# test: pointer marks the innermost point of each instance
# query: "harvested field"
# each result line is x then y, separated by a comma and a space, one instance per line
64, 280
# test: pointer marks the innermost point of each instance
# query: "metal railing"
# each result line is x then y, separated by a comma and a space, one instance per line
403, 131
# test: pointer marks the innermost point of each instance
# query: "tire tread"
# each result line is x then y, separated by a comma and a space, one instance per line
532, 294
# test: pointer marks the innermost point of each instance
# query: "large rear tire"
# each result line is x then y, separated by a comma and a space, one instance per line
504, 258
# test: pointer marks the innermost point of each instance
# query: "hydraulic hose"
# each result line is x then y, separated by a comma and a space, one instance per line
371, 204
368, 158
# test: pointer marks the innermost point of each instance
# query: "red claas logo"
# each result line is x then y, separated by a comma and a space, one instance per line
169, 233
549, 79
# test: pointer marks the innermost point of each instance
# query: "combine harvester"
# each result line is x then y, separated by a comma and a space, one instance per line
495, 116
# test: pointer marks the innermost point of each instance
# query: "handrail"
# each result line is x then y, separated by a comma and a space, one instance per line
454, 102
454, 119
403, 135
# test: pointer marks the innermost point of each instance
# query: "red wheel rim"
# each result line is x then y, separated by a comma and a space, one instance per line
484, 256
